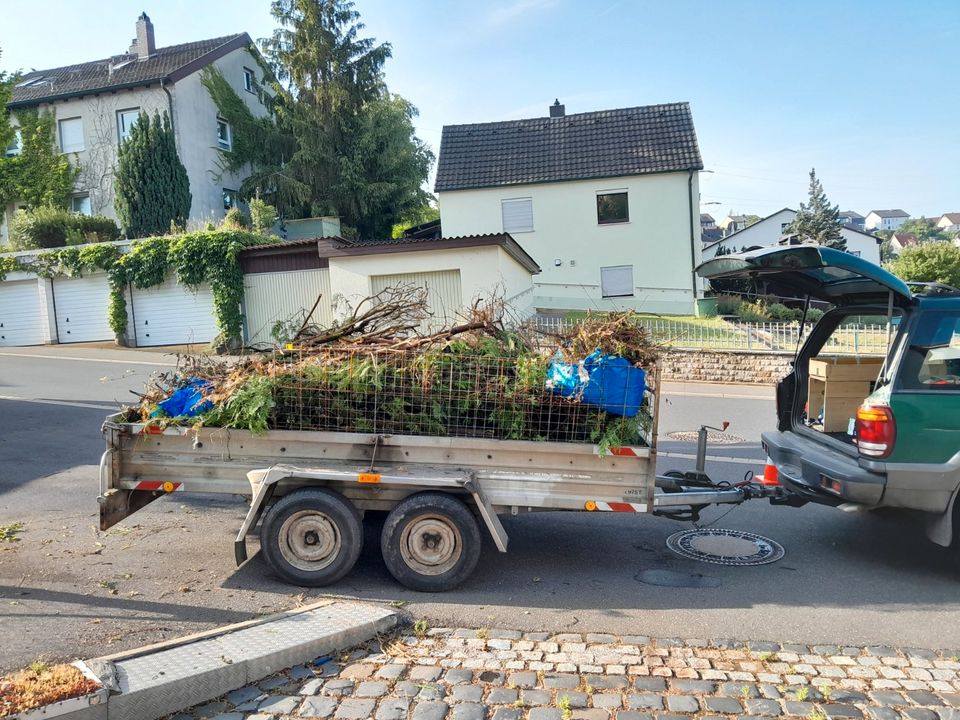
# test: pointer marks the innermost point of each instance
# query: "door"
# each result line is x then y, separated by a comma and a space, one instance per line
20, 314
832, 275
285, 297
444, 297
81, 308
171, 314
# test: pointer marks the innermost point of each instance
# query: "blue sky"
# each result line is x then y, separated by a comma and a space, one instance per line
865, 91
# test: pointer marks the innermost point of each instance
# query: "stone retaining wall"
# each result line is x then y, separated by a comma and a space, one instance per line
755, 368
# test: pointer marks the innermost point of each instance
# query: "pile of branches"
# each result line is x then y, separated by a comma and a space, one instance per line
380, 371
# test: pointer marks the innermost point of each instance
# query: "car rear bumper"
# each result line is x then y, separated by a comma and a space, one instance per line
820, 474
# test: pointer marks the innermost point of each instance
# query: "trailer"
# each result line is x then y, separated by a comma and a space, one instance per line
309, 490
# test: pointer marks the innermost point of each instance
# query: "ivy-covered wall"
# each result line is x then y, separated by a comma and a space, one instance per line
197, 258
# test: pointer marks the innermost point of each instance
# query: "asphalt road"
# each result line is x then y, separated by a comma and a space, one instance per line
67, 590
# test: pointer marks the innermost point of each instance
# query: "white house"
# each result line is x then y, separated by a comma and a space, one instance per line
96, 103
901, 241
606, 202
885, 219
733, 223
771, 229
949, 222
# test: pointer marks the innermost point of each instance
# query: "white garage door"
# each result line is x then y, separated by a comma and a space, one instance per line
81, 307
170, 314
285, 296
20, 316
444, 297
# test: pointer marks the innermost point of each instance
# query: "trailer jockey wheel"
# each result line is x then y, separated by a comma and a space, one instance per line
431, 542
312, 537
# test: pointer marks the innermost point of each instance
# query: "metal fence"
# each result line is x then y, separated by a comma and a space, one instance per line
752, 336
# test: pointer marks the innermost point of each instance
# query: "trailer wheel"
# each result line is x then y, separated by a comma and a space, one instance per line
431, 542
312, 537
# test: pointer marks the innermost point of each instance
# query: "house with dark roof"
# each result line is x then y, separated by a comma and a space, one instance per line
949, 222
606, 202
707, 222
852, 219
96, 104
733, 223
885, 219
775, 229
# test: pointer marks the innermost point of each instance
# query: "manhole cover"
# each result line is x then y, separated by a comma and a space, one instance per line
715, 438
725, 547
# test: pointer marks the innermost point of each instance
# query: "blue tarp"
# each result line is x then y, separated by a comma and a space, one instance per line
608, 382
188, 400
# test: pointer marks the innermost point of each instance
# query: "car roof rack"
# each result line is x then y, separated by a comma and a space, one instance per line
931, 288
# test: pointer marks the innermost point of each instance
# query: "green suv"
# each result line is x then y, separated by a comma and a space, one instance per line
901, 445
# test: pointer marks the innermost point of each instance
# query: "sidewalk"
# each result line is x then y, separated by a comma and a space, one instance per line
506, 675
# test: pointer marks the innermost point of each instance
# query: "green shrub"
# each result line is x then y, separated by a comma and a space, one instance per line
782, 313
728, 304
262, 215
754, 312
814, 315
235, 219
50, 227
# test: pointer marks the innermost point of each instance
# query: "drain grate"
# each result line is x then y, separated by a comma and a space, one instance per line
725, 547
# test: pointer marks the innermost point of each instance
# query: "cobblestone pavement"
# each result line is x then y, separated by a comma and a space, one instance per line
508, 675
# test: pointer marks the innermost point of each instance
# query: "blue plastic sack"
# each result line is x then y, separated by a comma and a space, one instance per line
188, 400
608, 382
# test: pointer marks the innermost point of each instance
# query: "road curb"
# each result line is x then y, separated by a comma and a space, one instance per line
157, 680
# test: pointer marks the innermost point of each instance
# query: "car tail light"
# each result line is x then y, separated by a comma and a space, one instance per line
876, 430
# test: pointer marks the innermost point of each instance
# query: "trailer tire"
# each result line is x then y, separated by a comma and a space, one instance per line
431, 542
312, 537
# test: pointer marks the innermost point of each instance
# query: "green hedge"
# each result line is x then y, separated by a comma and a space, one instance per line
51, 227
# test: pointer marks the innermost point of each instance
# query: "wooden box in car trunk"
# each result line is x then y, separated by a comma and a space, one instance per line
837, 386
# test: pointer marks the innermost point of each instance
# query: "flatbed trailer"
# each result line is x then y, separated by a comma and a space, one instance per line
310, 489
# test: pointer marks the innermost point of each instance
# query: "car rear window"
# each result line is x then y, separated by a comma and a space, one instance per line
932, 360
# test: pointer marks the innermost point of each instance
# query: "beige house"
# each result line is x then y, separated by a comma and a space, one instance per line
606, 202
96, 104
949, 222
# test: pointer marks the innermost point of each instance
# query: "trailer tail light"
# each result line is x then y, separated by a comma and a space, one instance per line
875, 431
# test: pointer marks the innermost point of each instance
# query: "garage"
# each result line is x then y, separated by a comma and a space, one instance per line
170, 314
20, 314
444, 298
272, 297
81, 306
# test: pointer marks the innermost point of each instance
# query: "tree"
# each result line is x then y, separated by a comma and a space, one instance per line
151, 184
341, 144
936, 261
819, 220
40, 175
925, 229
7, 81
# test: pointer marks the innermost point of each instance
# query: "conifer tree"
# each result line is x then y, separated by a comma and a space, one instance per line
152, 188
819, 220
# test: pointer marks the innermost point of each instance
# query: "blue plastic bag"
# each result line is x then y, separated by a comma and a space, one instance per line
608, 382
188, 400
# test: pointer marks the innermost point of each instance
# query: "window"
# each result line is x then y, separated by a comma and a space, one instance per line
16, 145
616, 281
932, 361
248, 80
224, 136
71, 135
784, 228
229, 198
126, 119
517, 215
612, 207
81, 204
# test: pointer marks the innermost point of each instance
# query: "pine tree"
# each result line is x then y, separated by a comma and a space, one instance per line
819, 221
152, 188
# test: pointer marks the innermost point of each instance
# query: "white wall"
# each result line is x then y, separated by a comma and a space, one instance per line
875, 222
768, 231
483, 272
655, 241
196, 129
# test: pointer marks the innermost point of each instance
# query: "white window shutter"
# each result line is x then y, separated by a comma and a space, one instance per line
517, 215
616, 281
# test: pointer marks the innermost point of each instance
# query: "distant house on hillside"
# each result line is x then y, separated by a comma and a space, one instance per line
885, 219
606, 202
98, 102
733, 223
853, 219
773, 230
711, 235
900, 241
707, 222
949, 222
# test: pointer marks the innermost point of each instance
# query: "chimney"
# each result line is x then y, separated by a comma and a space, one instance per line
557, 110
145, 44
